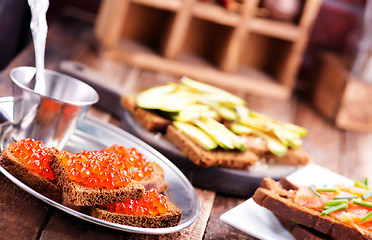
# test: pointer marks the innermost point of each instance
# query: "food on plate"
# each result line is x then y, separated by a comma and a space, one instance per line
204, 158
101, 177
28, 160
151, 211
204, 122
319, 212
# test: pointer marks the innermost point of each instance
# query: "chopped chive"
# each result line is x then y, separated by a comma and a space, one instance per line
346, 197
361, 185
366, 181
335, 208
335, 202
314, 191
325, 189
293, 223
367, 195
363, 203
367, 216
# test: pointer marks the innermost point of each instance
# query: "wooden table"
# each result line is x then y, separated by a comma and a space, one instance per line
24, 217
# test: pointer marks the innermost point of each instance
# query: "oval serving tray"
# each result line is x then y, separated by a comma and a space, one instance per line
93, 134
236, 182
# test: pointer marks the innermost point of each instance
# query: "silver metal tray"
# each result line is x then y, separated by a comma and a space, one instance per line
93, 134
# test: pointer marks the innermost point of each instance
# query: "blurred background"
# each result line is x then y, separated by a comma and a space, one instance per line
338, 27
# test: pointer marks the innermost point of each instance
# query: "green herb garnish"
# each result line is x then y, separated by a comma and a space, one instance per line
362, 203
335, 202
367, 195
347, 197
361, 185
293, 223
366, 181
335, 208
325, 189
368, 216
314, 191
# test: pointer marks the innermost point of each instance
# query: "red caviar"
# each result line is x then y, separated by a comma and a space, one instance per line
133, 159
110, 168
35, 156
153, 203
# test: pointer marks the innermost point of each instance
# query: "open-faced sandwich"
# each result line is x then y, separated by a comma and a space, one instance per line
28, 161
319, 212
213, 127
153, 210
115, 176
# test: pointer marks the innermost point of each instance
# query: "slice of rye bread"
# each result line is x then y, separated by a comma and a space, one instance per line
293, 156
155, 123
80, 195
19, 170
281, 204
205, 158
150, 120
171, 218
298, 231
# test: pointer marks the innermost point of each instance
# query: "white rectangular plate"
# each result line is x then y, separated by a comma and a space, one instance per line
259, 222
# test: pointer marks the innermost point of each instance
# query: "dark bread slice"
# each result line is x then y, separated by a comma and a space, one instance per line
204, 158
298, 231
80, 195
155, 123
281, 204
171, 218
293, 156
19, 170
151, 121
155, 179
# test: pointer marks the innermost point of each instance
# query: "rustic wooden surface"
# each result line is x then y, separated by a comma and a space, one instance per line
25, 217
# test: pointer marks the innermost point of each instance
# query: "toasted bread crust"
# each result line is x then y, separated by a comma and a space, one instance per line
204, 158
151, 121
298, 231
293, 156
171, 218
283, 206
15, 167
80, 195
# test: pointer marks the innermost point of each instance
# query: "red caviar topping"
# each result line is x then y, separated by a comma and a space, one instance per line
132, 158
110, 168
35, 156
152, 204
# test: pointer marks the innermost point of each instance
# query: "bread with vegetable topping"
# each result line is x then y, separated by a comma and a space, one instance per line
304, 222
257, 148
205, 158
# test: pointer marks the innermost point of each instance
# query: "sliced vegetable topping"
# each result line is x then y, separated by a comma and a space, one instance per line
367, 195
325, 189
360, 184
208, 108
335, 202
314, 191
362, 203
335, 208
368, 216
346, 197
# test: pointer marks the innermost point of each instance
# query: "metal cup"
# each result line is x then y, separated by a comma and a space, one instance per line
52, 112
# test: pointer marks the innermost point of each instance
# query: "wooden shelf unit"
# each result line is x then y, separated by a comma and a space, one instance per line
235, 50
